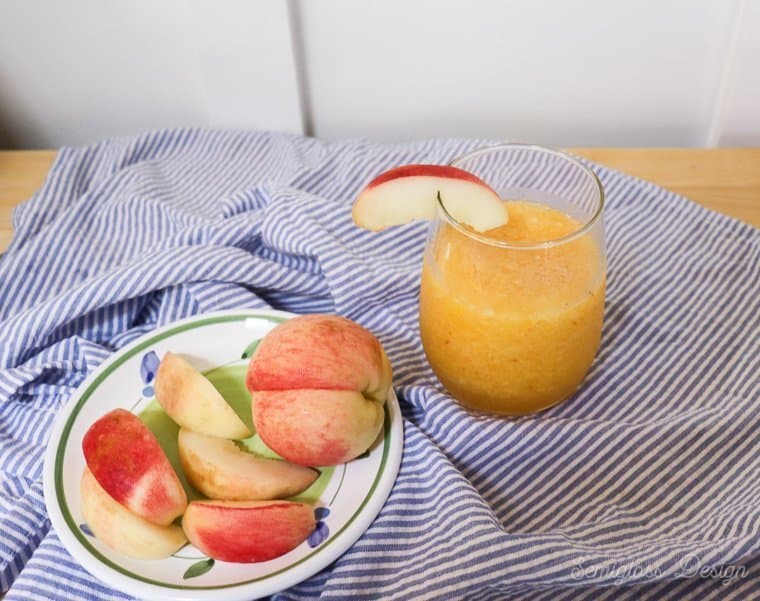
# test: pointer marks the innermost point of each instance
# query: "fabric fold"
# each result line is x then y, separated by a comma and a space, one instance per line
644, 484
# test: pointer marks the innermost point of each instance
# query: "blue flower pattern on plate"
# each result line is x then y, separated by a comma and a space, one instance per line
321, 532
148, 369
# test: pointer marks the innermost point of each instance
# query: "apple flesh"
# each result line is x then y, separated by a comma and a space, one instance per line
191, 400
247, 531
123, 531
220, 470
411, 192
318, 384
125, 458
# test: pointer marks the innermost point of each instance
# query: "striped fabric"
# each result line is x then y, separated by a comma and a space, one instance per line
646, 484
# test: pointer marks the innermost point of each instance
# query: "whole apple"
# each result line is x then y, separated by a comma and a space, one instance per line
318, 385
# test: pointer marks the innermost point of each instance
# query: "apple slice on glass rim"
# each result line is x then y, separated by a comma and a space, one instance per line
411, 192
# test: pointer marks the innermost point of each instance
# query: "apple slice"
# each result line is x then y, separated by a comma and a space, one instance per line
247, 531
192, 401
317, 427
220, 470
325, 352
411, 192
129, 463
125, 532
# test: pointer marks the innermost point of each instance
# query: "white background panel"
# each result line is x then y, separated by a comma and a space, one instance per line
737, 118
597, 72
558, 72
77, 71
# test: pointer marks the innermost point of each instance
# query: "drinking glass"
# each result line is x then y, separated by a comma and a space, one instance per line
511, 318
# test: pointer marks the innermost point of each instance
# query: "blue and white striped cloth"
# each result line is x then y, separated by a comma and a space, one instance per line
646, 484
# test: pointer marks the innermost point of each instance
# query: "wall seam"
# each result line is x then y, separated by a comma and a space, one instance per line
299, 64
718, 112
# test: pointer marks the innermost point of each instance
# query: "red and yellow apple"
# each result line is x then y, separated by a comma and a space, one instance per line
247, 531
318, 384
411, 192
220, 470
317, 427
191, 400
128, 462
122, 530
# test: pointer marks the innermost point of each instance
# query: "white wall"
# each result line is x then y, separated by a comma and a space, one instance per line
583, 72
76, 71
559, 72
736, 120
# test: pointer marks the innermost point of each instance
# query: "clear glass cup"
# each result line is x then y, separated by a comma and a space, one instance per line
511, 319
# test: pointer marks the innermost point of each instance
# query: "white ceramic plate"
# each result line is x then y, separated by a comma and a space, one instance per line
217, 340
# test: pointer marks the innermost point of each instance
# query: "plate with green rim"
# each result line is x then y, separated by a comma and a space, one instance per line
219, 344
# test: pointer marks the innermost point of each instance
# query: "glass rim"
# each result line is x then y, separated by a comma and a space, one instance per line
584, 229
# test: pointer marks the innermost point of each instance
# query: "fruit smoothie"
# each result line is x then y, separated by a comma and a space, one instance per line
511, 325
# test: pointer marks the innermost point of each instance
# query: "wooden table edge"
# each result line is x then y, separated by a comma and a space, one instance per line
723, 179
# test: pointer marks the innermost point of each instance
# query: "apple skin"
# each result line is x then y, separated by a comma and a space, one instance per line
220, 470
320, 351
411, 192
247, 531
318, 386
128, 462
123, 531
317, 427
425, 170
191, 400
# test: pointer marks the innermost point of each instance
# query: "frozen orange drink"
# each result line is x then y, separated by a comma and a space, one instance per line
509, 328
511, 317
513, 278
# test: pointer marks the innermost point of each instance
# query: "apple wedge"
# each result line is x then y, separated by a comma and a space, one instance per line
192, 401
123, 531
411, 192
317, 427
125, 458
247, 531
220, 470
319, 351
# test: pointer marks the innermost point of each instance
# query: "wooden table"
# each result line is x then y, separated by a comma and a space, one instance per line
726, 179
